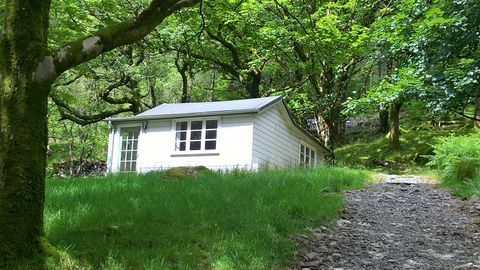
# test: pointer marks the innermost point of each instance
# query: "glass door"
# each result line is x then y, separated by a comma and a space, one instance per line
128, 153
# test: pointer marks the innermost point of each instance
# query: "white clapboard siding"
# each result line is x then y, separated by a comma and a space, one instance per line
276, 141
156, 146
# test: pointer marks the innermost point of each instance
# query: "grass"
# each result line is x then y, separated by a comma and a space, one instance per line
238, 220
461, 187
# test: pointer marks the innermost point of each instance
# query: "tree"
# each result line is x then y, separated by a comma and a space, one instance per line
27, 70
328, 41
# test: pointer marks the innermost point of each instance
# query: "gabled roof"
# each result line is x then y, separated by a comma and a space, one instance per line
168, 110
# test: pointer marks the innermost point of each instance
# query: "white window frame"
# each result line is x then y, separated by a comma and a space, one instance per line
312, 162
203, 137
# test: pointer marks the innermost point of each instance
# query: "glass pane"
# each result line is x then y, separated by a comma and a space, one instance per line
302, 157
181, 125
302, 149
210, 145
124, 145
181, 136
212, 124
196, 135
123, 156
129, 155
134, 155
211, 134
195, 145
307, 160
196, 125
180, 146
135, 145
307, 151
133, 166
122, 166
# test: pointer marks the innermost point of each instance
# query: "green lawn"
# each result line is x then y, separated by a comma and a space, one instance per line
238, 220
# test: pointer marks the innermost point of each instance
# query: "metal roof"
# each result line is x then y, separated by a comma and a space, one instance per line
169, 110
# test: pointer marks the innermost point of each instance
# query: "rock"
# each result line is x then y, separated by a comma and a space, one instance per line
310, 264
336, 255
310, 256
343, 222
463, 266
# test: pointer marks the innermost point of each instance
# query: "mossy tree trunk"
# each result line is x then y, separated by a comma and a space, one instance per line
23, 127
27, 70
395, 125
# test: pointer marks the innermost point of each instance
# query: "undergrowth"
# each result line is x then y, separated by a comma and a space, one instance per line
239, 220
458, 160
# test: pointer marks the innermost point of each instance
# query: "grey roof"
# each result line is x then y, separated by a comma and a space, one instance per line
168, 110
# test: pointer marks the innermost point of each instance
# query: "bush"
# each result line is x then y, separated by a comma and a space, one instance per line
458, 157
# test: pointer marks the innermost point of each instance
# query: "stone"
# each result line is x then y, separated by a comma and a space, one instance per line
310, 264
343, 222
310, 256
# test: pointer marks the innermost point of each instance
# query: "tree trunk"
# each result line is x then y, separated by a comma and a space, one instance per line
383, 117
477, 113
253, 84
23, 128
23, 141
395, 125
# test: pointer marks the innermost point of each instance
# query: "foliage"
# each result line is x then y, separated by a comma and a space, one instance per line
240, 220
458, 161
418, 140
458, 157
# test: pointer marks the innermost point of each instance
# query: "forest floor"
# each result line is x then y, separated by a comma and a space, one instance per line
398, 223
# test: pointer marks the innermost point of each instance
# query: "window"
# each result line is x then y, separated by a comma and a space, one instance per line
196, 135
307, 156
128, 153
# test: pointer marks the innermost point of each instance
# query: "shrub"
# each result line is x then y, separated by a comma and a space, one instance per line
458, 157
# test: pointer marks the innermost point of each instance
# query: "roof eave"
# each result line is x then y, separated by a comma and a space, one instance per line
180, 115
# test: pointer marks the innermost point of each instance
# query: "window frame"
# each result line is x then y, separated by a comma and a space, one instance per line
312, 156
202, 140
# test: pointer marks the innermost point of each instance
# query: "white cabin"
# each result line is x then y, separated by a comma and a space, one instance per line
239, 134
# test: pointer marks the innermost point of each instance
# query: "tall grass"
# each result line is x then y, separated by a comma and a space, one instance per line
238, 220
458, 160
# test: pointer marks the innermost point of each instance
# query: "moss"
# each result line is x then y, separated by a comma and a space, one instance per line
185, 172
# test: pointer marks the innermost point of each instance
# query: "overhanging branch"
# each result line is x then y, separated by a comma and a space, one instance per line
107, 39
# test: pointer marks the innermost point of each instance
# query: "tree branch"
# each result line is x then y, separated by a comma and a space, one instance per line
233, 50
69, 113
107, 39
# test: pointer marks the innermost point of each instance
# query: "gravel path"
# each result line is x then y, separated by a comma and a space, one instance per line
398, 224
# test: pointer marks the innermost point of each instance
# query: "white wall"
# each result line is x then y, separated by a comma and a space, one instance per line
276, 141
156, 146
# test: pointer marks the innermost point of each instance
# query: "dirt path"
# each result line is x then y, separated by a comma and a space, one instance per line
398, 224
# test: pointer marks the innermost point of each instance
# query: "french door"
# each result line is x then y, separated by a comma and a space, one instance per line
128, 152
